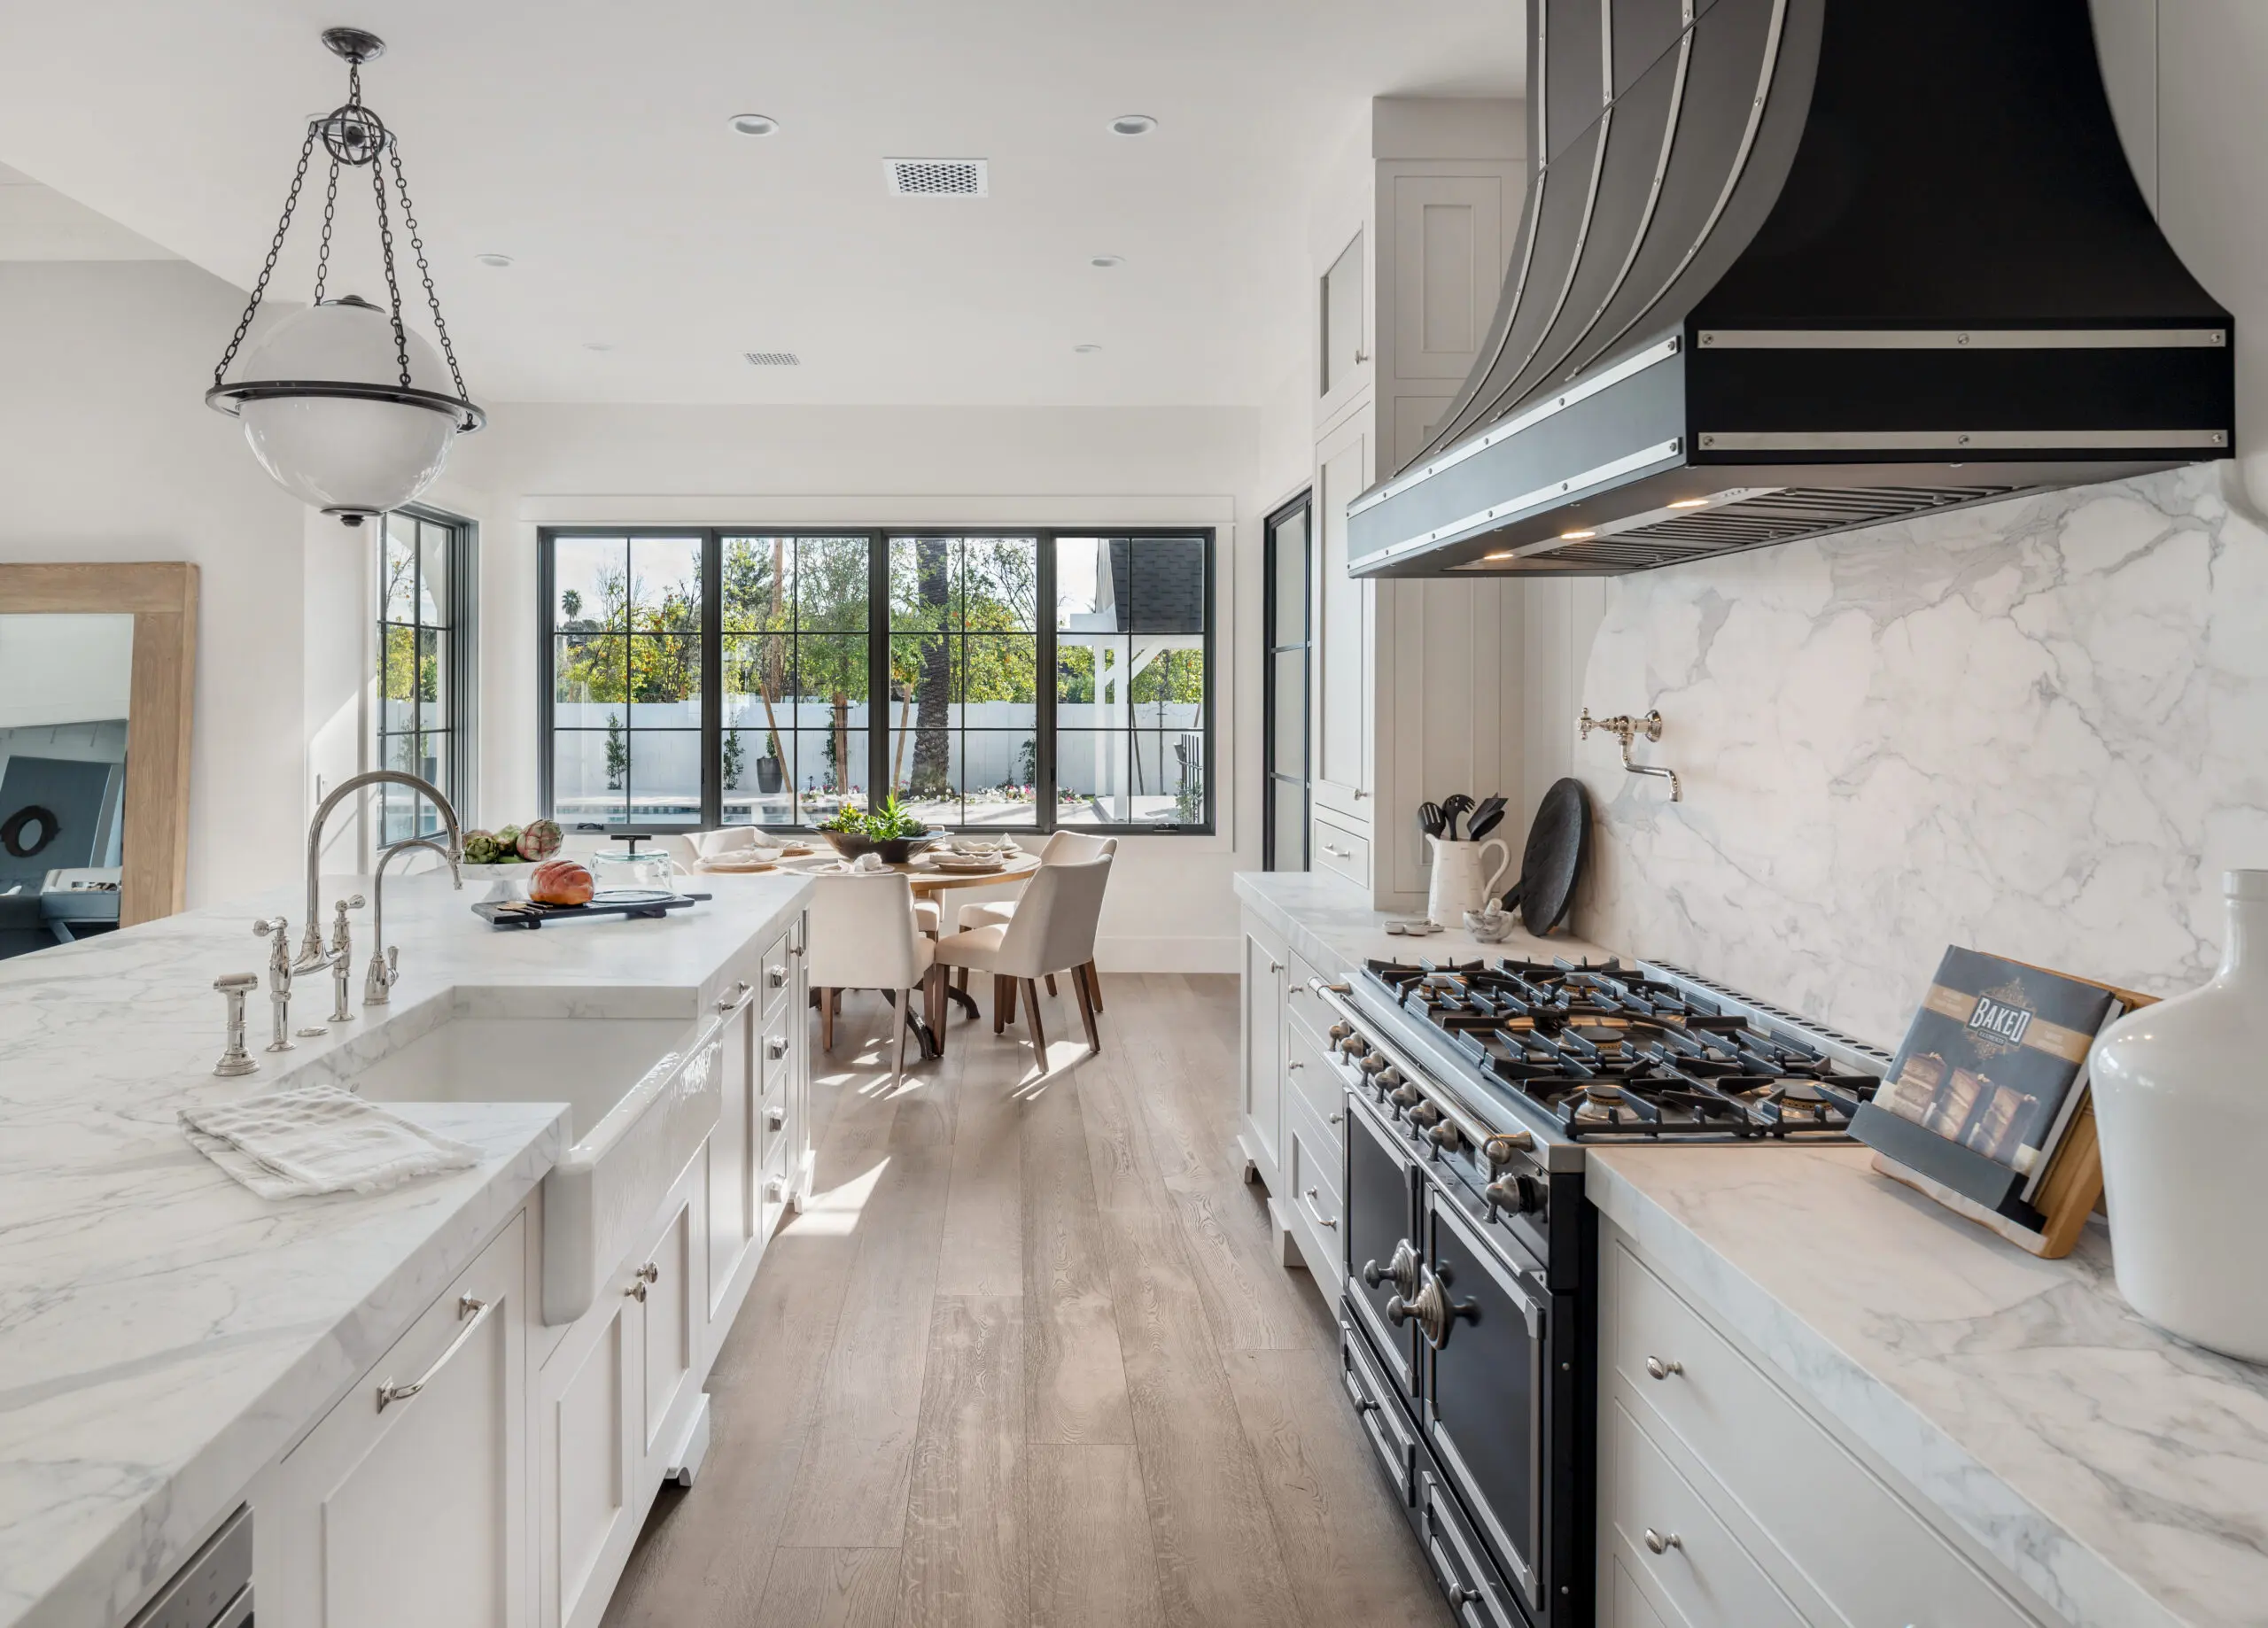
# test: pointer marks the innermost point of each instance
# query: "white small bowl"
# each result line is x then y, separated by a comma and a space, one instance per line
1489, 926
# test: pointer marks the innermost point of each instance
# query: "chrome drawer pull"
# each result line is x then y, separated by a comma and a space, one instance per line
1656, 1368
1316, 1210
776, 1047
1461, 1595
733, 1002
1660, 1542
467, 1307
775, 1119
778, 976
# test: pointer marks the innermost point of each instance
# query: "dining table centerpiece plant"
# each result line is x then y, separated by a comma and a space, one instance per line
889, 828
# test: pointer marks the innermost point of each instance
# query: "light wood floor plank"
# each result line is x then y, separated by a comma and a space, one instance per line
1216, 1552
1251, 1302
850, 1485
1074, 1378
1344, 1539
963, 1565
983, 1251
1092, 1564
830, 1588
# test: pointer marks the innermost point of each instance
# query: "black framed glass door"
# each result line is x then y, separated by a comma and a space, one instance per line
1284, 731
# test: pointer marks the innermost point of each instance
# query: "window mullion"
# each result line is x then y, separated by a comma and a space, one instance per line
712, 681
1044, 754
878, 715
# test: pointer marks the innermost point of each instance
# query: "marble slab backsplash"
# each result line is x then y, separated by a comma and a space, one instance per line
2038, 728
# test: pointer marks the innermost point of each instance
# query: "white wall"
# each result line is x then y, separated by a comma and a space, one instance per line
1170, 905
107, 451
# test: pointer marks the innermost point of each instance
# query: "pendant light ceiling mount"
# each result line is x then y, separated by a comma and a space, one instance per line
330, 406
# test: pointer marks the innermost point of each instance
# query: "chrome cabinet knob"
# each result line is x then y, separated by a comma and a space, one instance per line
1338, 1119
652, 1273
636, 1291
776, 976
776, 1047
1274, 966
1662, 1542
1294, 1066
1656, 1368
775, 1119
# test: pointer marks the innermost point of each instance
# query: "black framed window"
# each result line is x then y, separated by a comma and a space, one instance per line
1288, 571
1020, 679
425, 600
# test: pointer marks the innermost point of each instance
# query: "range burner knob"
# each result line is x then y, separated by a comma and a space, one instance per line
1374, 1065
1354, 1045
1425, 1113
1446, 1137
1384, 1080
1338, 1032
1407, 1095
1501, 1149
1515, 1194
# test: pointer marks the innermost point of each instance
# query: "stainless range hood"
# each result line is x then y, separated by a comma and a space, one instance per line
1791, 266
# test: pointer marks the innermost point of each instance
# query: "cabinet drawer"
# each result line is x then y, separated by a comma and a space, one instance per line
1391, 1437
776, 975
1342, 852
1316, 1080
772, 1191
1312, 1155
1307, 1013
1699, 1566
1803, 1487
1459, 1563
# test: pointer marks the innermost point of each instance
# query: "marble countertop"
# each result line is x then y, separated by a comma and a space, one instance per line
1331, 923
2118, 1473
163, 1333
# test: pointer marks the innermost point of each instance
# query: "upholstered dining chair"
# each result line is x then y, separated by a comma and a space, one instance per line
1064, 848
1052, 930
862, 937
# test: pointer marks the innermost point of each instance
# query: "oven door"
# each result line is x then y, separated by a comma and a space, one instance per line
1383, 1254
1482, 1325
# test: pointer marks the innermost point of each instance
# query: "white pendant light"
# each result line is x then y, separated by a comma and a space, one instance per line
331, 399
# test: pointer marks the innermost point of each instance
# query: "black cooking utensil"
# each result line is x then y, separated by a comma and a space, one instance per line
1453, 807
1429, 819
1484, 820
1558, 844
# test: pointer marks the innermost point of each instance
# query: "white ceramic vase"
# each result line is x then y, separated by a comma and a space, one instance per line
1461, 880
2181, 1100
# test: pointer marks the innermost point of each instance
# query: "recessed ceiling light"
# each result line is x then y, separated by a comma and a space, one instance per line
1506, 554
754, 124
1085, 350
495, 262
1689, 502
597, 345
1132, 124
1104, 262
1575, 536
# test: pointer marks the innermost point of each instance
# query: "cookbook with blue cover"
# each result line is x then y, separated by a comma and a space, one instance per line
1991, 1068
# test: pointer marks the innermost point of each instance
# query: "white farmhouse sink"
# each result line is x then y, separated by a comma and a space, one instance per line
638, 1103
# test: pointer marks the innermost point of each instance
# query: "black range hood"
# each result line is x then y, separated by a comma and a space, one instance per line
1791, 267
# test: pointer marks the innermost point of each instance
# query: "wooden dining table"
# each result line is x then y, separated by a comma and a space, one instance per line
928, 881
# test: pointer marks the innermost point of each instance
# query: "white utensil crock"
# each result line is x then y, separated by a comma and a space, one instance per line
2182, 1106
1459, 882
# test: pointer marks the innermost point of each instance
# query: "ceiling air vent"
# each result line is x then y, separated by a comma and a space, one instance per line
938, 177
772, 359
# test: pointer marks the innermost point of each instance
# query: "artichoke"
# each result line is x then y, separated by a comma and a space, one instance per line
479, 848
540, 839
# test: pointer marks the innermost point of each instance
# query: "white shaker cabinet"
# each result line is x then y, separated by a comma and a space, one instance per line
1261, 1098
407, 1503
1414, 691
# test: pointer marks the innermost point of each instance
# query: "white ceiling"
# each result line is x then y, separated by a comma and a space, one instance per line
39, 224
587, 139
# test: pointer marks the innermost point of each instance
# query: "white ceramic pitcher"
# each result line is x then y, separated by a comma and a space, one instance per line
1461, 882
2177, 1097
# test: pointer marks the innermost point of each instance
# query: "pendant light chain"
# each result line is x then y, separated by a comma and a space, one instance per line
268, 267
418, 247
393, 288
329, 209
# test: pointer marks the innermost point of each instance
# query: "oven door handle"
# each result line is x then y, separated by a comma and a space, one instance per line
1483, 1256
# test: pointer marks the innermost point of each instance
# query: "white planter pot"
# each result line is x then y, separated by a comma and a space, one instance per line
2181, 1100
1461, 882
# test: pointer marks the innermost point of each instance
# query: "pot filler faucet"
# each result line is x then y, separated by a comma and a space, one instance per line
313, 953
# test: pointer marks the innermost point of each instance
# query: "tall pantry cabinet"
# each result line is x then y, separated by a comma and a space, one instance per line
1415, 684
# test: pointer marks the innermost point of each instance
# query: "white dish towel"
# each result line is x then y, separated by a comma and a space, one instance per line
318, 1139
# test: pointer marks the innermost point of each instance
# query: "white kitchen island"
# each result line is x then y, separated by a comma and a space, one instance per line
172, 1347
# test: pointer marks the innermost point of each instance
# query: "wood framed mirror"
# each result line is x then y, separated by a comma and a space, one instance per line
97, 676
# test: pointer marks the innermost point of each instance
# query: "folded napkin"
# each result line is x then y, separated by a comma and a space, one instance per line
318, 1139
865, 864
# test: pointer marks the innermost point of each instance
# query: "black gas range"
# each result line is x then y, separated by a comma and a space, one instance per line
1468, 1308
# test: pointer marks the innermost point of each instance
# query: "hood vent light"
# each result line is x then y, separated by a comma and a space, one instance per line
939, 177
